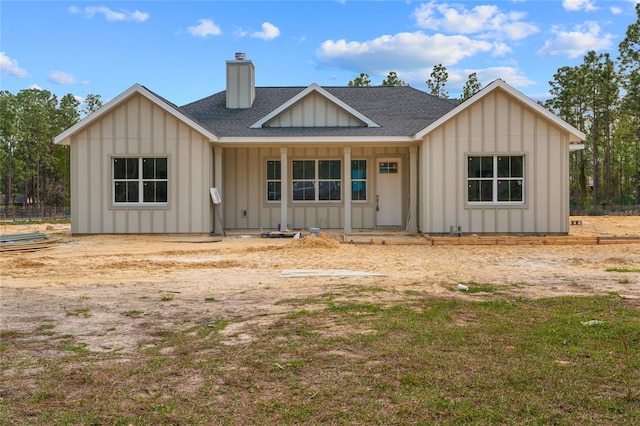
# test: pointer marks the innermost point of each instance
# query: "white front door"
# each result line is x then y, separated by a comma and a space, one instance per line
388, 192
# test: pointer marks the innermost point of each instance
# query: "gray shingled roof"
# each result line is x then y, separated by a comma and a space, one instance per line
399, 110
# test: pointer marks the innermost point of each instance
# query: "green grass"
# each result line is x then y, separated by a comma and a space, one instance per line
46, 329
475, 287
566, 360
74, 348
84, 312
631, 270
133, 313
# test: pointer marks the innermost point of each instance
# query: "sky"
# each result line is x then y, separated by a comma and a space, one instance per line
179, 49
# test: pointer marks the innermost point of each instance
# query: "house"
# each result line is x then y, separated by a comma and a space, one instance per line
349, 158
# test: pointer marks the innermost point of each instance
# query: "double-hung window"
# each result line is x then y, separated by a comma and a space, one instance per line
316, 180
495, 179
140, 180
359, 180
274, 180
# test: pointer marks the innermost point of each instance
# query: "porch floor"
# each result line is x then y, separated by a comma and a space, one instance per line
360, 236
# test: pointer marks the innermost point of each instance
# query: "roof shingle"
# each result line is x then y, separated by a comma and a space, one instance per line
399, 110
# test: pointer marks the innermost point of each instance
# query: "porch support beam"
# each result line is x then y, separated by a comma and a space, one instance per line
412, 226
284, 187
347, 190
217, 182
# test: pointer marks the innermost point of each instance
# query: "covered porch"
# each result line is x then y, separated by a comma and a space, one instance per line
377, 189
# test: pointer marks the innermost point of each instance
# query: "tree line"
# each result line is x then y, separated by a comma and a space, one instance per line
34, 170
600, 97
435, 84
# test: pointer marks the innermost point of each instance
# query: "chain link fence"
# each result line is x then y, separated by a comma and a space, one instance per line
629, 210
43, 213
33, 213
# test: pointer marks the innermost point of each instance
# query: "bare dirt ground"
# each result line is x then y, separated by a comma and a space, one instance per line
111, 291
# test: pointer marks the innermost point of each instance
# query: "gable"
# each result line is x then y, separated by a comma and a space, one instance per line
314, 110
134, 91
515, 98
136, 125
302, 106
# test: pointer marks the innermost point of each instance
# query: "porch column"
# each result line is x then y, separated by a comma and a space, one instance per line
412, 226
284, 187
217, 182
347, 190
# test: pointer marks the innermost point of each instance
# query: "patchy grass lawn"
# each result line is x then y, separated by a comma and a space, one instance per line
569, 360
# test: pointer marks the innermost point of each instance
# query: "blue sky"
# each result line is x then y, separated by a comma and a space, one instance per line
178, 49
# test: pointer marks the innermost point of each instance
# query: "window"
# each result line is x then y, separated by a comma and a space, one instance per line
359, 180
140, 180
316, 180
274, 180
388, 168
495, 179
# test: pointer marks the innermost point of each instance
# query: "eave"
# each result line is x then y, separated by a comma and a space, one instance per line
292, 140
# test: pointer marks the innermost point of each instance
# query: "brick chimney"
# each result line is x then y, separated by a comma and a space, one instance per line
241, 83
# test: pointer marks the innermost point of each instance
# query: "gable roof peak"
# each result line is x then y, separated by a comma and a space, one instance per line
64, 138
314, 87
500, 84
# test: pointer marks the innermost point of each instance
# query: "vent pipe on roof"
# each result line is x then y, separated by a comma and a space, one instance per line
241, 84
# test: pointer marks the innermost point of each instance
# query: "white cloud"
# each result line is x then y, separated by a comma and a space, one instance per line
269, 32
404, 50
239, 32
205, 28
616, 10
575, 5
110, 15
500, 49
139, 16
574, 43
61, 77
486, 20
458, 77
511, 75
10, 66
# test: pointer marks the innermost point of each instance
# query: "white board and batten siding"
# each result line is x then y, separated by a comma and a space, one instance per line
498, 124
314, 110
245, 177
139, 128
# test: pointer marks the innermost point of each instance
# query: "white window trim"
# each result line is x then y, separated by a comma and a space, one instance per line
495, 179
365, 180
140, 181
267, 180
317, 180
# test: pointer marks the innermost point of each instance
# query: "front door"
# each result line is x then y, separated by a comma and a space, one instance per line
388, 192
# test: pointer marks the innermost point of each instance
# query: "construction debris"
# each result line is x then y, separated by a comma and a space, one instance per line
281, 234
25, 243
301, 273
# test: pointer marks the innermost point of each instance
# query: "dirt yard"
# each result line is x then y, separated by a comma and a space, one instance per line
107, 290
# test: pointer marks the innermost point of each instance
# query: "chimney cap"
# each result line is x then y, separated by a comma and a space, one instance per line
240, 56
